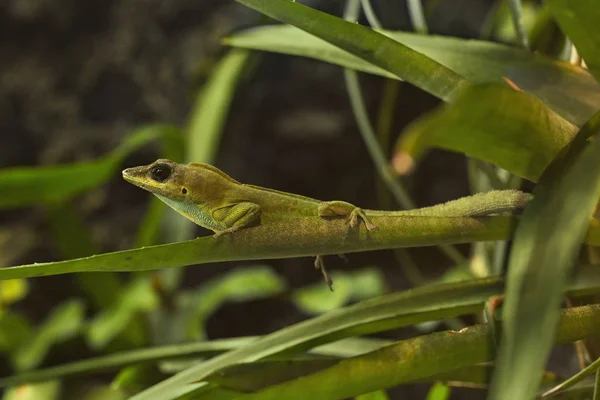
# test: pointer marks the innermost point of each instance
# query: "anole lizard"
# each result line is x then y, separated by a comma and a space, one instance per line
212, 199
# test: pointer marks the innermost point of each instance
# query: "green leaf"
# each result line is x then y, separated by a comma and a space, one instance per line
15, 330
24, 186
572, 381
212, 107
72, 239
317, 298
438, 391
375, 315
489, 122
238, 285
251, 377
414, 359
300, 238
545, 249
579, 20
379, 395
343, 348
64, 323
134, 378
138, 297
570, 91
122, 359
360, 285
366, 44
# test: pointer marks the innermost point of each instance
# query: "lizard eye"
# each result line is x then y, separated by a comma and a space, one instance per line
161, 172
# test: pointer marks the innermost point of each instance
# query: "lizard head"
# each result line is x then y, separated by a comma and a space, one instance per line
164, 178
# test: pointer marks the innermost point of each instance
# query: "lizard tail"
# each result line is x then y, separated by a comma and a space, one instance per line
480, 204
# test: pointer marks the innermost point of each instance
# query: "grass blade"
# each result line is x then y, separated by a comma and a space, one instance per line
570, 91
487, 122
550, 235
371, 46
24, 186
375, 315
413, 359
308, 236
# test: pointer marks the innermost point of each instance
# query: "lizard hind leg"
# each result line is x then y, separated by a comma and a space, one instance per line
344, 209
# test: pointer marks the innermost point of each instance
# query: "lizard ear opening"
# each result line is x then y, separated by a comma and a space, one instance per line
184, 191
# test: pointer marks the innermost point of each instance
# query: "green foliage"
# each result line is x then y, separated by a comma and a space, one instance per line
439, 391
361, 285
541, 129
138, 297
63, 324
368, 45
239, 285
550, 235
37, 185
579, 21
569, 91
487, 122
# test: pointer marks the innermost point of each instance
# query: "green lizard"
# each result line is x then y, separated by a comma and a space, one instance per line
212, 199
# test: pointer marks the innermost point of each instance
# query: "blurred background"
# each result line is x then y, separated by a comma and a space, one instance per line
77, 78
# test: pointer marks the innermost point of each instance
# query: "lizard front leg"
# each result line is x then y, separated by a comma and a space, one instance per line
239, 216
344, 209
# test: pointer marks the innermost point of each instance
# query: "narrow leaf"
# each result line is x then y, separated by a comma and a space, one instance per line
413, 359
368, 45
510, 129
375, 315
138, 296
570, 91
63, 324
212, 106
303, 237
23, 186
545, 248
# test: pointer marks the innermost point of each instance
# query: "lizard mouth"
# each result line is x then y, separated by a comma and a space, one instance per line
132, 176
137, 177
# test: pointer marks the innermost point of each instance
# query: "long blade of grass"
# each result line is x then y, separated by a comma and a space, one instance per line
378, 314
298, 238
578, 377
570, 91
212, 107
413, 359
114, 361
24, 186
550, 235
366, 44
488, 122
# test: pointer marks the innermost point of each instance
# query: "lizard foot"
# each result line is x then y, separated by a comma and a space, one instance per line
334, 209
320, 265
359, 212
